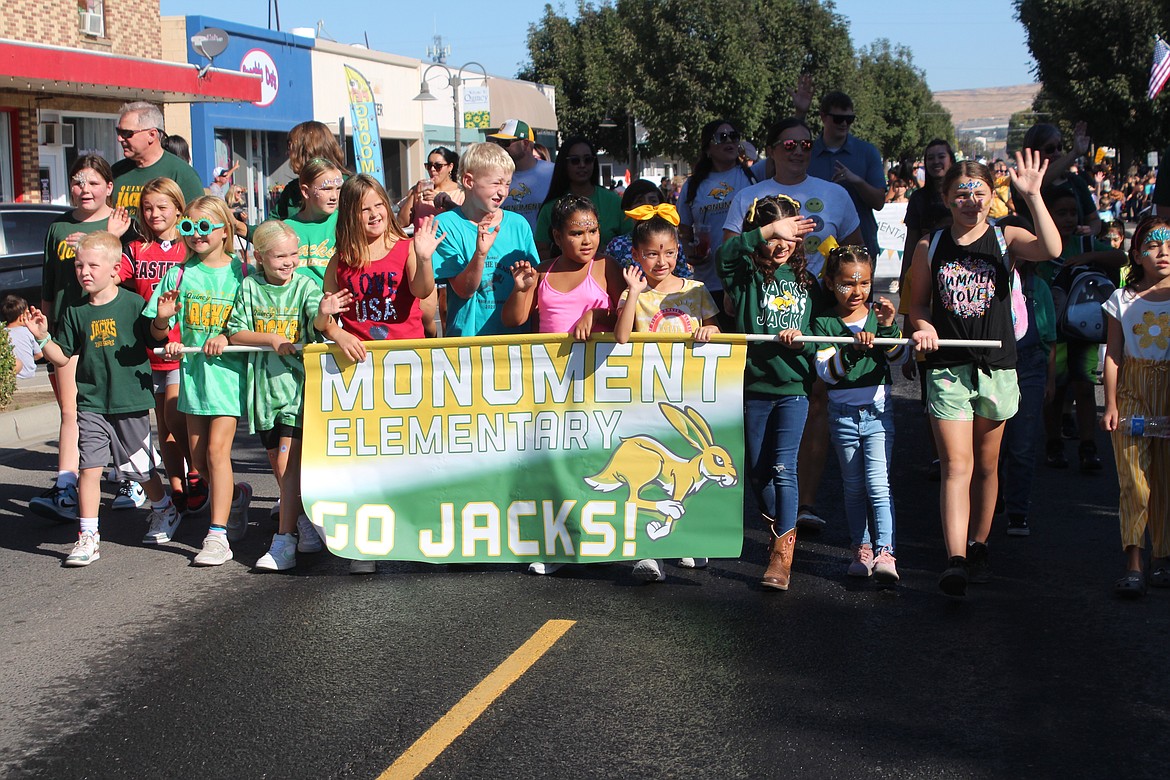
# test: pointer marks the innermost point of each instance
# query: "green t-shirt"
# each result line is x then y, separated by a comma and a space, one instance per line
59, 285
129, 180
275, 386
113, 372
208, 386
612, 221
316, 240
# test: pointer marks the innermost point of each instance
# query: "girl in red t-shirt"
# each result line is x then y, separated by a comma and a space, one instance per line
143, 265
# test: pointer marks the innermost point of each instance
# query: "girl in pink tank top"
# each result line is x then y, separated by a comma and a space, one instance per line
375, 277
572, 293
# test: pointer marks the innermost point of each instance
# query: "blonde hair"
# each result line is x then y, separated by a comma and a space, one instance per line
159, 186
351, 247
102, 241
268, 233
480, 158
217, 209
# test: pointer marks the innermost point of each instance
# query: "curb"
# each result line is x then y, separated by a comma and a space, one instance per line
29, 424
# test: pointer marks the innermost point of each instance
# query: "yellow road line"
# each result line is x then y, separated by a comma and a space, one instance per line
447, 729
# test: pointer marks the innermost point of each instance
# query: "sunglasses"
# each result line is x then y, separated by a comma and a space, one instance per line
435, 166
725, 137
790, 145
842, 119
581, 159
1052, 148
203, 227
126, 135
504, 142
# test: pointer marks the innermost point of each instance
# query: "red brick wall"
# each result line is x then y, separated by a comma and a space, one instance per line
132, 26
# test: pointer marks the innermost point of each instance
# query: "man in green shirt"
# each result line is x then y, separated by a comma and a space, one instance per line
140, 133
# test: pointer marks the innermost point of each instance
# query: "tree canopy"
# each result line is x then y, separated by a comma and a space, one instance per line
677, 64
1093, 58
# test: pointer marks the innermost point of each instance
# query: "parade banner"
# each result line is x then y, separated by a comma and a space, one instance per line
891, 225
367, 143
526, 448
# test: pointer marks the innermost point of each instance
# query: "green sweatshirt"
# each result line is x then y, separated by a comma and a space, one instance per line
844, 367
768, 306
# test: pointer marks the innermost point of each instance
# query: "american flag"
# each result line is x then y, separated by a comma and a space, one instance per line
1160, 72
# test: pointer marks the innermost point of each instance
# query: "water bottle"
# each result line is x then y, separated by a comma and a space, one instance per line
1145, 426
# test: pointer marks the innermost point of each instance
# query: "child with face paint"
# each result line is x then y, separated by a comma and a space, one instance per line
278, 308
571, 292
316, 223
861, 412
961, 289
765, 274
1137, 382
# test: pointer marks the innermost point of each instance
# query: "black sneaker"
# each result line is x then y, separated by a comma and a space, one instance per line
1018, 526
1088, 456
953, 581
196, 493
1055, 455
978, 563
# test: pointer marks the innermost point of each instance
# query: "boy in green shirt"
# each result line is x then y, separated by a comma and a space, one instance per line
114, 395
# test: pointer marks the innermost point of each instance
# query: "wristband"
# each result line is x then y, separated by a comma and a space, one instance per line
42, 342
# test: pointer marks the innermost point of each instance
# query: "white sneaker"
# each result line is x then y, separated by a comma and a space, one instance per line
237, 524
216, 551
56, 503
543, 568
130, 496
363, 567
86, 551
281, 555
692, 563
163, 523
308, 540
649, 570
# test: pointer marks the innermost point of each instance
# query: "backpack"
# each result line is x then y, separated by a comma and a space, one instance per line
1078, 293
1019, 303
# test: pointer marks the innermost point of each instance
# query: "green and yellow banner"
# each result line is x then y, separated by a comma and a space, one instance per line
526, 448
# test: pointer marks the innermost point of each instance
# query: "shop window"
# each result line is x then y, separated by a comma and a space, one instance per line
7, 183
92, 135
92, 17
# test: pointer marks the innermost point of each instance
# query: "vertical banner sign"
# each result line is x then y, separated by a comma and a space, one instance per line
477, 108
526, 448
367, 143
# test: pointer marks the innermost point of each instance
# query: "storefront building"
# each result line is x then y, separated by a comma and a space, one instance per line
251, 135
64, 72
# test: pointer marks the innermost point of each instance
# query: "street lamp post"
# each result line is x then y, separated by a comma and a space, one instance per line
455, 81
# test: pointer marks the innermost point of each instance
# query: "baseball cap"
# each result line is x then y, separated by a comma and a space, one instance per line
218, 171
514, 129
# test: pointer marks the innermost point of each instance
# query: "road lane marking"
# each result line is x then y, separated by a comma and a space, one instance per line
447, 729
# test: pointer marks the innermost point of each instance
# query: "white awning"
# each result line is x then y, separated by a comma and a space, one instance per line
520, 100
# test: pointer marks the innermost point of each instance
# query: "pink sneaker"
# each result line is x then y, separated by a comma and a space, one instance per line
884, 570
862, 565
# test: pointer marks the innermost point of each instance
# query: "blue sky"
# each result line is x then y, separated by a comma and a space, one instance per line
959, 44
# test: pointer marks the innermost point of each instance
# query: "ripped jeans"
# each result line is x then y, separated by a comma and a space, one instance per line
773, 425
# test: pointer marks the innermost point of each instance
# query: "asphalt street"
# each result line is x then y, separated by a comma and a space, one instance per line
143, 666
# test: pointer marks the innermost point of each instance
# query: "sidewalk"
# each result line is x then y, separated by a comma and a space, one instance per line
32, 414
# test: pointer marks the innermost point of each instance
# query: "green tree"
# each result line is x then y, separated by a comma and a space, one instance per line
678, 64
895, 108
1093, 58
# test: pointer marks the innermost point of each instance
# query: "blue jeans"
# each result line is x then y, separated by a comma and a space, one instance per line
773, 426
1017, 455
864, 439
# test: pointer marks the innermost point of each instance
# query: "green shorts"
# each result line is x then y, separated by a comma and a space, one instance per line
965, 392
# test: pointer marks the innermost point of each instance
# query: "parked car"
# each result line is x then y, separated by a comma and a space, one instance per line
23, 227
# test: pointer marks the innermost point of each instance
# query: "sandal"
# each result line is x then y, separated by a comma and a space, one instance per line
1160, 576
1131, 586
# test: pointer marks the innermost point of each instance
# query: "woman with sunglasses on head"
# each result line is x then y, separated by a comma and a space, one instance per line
705, 198
436, 192
576, 171
789, 151
1047, 141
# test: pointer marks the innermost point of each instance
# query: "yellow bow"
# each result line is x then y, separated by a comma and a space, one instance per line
664, 210
827, 246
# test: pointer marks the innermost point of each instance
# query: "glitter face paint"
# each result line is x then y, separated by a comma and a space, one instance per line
583, 224
1158, 234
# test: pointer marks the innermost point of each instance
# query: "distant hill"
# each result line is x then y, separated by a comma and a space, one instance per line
992, 106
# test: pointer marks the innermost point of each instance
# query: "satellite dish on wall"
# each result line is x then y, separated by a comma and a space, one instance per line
209, 42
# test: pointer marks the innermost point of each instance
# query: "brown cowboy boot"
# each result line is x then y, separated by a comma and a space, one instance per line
779, 570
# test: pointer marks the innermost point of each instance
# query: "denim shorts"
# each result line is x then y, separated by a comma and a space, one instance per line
964, 393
